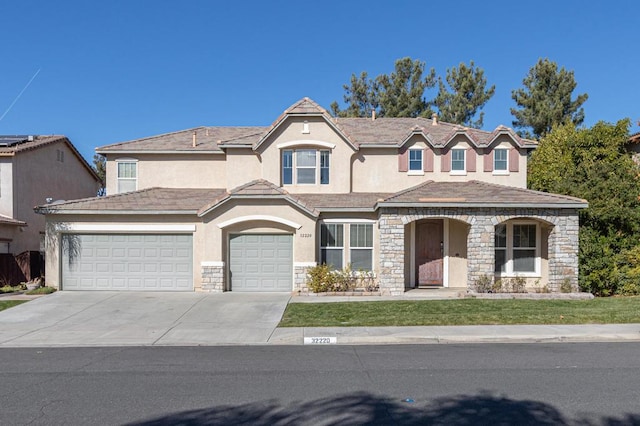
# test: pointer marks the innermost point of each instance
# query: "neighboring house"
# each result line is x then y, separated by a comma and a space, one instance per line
32, 170
415, 201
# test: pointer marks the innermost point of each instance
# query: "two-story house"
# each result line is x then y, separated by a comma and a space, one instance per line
415, 201
32, 170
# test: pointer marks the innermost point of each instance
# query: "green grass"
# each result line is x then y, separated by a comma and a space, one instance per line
6, 304
41, 290
615, 310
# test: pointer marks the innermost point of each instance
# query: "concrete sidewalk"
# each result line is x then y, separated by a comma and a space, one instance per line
203, 319
461, 334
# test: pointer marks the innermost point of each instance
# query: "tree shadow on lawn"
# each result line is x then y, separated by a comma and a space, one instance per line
368, 409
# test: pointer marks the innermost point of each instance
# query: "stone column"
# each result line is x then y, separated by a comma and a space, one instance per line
212, 276
563, 251
391, 276
480, 248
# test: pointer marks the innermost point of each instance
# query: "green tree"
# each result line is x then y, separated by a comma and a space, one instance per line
100, 167
546, 101
468, 95
360, 97
594, 164
399, 94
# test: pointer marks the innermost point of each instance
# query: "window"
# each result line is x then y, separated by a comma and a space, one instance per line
337, 254
305, 167
516, 248
457, 160
415, 160
361, 246
332, 244
500, 160
127, 176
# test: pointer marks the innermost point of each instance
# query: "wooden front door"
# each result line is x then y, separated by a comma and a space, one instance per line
429, 239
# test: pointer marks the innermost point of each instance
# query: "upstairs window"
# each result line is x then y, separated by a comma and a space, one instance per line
305, 167
415, 160
457, 160
500, 162
127, 175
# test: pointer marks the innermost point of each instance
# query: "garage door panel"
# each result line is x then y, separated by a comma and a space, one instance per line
129, 262
261, 262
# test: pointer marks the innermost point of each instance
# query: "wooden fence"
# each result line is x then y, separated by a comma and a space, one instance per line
20, 268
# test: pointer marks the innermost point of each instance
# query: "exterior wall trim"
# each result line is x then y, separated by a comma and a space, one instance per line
266, 218
297, 143
110, 227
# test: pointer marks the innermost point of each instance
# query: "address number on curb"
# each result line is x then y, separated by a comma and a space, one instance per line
320, 340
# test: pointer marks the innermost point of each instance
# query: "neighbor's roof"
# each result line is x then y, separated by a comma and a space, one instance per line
359, 132
42, 141
201, 201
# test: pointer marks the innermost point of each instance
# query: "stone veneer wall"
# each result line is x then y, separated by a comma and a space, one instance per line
300, 276
563, 241
213, 277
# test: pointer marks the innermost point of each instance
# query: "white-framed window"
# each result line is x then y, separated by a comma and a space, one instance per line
415, 160
305, 166
127, 175
343, 244
501, 160
332, 245
517, 249
361, 246
458, 160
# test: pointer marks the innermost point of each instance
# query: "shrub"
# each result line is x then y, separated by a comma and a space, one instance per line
484, 284
322, 279
41, 290
497, 286
565, 286
518, 285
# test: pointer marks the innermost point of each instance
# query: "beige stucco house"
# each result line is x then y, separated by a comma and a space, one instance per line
413, 201
33, 169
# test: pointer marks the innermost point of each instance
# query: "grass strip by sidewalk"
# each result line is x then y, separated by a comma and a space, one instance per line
614, 310
6, 304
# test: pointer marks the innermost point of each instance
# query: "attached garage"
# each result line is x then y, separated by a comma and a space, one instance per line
134, 262
261, 262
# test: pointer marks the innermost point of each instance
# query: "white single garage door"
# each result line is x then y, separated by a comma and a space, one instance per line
261, 262
135, 262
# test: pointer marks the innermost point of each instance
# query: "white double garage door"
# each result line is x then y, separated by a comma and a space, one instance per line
164, 262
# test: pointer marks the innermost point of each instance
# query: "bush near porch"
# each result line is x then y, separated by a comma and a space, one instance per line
323, 279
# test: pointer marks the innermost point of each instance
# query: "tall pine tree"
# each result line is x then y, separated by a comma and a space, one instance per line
546, 100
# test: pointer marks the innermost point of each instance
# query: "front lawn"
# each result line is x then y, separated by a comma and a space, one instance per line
613, 310
6, 304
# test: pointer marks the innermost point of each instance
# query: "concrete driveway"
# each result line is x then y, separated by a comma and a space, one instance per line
142, 319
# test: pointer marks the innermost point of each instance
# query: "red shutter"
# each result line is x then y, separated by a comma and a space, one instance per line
445, 157
403, 159
427, 161
514, 160
488, 160
471, 160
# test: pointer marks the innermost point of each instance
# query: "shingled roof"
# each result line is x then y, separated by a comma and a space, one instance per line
477, 194
359, 132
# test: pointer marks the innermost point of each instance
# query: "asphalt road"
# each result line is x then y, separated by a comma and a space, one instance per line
576, 383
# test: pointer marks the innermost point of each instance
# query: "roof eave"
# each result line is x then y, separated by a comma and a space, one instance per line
172, 151
46, 211
568, 205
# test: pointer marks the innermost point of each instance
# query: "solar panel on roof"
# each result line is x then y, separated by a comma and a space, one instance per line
11, 140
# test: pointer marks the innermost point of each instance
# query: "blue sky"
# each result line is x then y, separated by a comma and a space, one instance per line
119, 70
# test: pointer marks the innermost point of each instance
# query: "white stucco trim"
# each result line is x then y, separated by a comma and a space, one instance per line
114, 227
294, 144
267, 218
348, 221
445, 252
304, 264
212, 263
412, 257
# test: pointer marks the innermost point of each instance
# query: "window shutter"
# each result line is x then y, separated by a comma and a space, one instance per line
488, 160
446, 160
427, 161
403, 159
514, 159
471, 160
